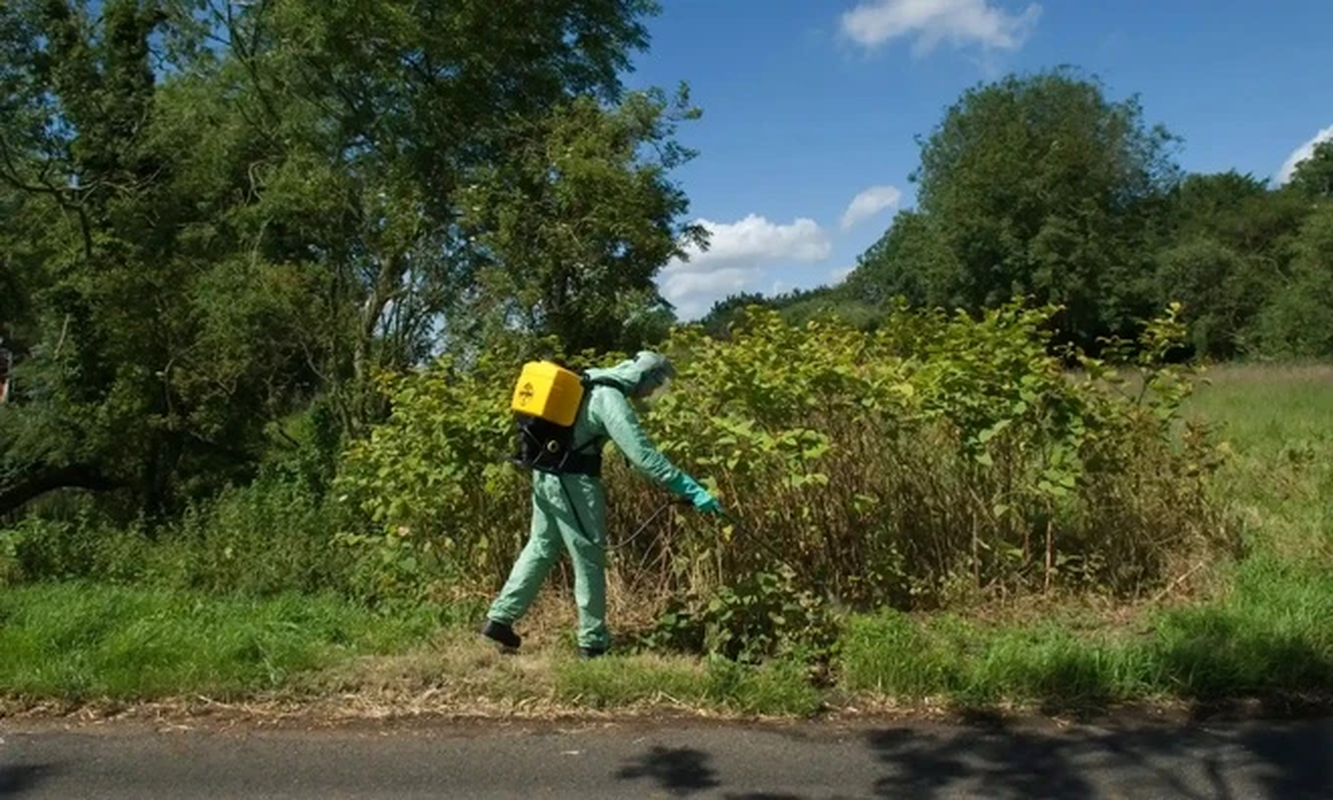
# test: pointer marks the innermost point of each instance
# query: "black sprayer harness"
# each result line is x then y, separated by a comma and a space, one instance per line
547, 446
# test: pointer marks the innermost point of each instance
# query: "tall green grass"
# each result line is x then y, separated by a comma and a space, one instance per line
271, 537
82, 641
1277, 420
1269, 637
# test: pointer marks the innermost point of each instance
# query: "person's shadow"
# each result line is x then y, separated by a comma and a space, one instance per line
18, 779
679, 770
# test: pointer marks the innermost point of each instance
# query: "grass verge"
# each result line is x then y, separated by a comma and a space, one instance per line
1269, 638
80, 641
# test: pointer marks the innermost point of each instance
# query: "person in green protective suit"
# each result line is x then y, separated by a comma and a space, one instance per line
570, 509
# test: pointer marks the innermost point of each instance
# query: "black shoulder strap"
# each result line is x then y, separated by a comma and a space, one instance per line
589, 382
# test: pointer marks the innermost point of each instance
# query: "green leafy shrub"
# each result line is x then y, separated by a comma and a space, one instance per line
761, 617
441, 509
934, 458
82, 545
272, 536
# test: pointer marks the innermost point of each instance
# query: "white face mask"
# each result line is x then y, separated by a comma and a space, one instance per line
658, 393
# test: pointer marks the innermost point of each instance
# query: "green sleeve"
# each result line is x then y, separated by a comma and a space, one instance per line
610, 410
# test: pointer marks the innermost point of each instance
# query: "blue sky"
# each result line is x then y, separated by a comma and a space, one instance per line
809, 103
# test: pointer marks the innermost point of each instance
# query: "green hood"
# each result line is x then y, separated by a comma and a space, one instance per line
644, 371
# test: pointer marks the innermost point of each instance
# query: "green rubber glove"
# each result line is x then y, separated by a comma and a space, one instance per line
689, 488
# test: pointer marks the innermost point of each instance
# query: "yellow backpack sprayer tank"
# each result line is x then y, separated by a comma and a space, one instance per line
548, 391
545, 404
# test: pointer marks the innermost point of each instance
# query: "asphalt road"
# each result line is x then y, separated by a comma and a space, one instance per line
672, 759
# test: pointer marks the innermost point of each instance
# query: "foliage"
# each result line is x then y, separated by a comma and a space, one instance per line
1299, 321
1221, 290
813, 437
213, 213
762, 616
1036, 186
574, 227
1313, 176
1041, 185
1259, 631
270, 537
912, 261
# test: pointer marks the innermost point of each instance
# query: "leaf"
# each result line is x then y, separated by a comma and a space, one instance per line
989, 433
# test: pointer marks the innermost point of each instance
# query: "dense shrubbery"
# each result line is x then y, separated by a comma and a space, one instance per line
935, 457
934, 461
269, 537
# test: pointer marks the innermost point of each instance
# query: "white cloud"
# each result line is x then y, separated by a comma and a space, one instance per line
736, 258
873, 22
1300, 154
869, 203
837, 276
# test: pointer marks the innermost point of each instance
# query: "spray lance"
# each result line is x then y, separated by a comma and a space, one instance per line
731, 519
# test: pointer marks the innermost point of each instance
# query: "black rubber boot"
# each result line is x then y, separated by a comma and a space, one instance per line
591, 652
501, 634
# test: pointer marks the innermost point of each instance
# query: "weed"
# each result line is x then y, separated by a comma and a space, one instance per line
933, 459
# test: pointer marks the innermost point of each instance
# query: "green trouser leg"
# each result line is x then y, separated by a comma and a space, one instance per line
531, 568
585, 539
582, 527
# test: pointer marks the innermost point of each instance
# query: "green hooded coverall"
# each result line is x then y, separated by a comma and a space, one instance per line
571, 509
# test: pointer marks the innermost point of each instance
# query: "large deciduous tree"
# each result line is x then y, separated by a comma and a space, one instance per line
1038, 186
1313, 176
407, 137
574, 223
217, 211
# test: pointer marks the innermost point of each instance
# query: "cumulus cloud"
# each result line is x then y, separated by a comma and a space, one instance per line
869, 203
737, 256
1300, 154
963, 22
839, 275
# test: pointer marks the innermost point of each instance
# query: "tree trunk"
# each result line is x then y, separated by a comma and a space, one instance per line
15, 495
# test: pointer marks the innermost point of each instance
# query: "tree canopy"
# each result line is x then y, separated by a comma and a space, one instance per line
216, 215
1043, 187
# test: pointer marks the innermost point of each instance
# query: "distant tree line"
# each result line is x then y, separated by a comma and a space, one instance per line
1040, 186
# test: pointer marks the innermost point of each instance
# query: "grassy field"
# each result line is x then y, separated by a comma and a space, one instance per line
1256, 628
1279, 423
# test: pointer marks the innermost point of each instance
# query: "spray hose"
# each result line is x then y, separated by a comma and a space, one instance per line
733, 520
675, 501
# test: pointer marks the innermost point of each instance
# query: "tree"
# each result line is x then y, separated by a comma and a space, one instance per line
384, 118
575, 223
1313, 176
1220, 289
1298, 322
911, 260
1041, 186
729, 310
218, 212
1226, 243
139, 375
